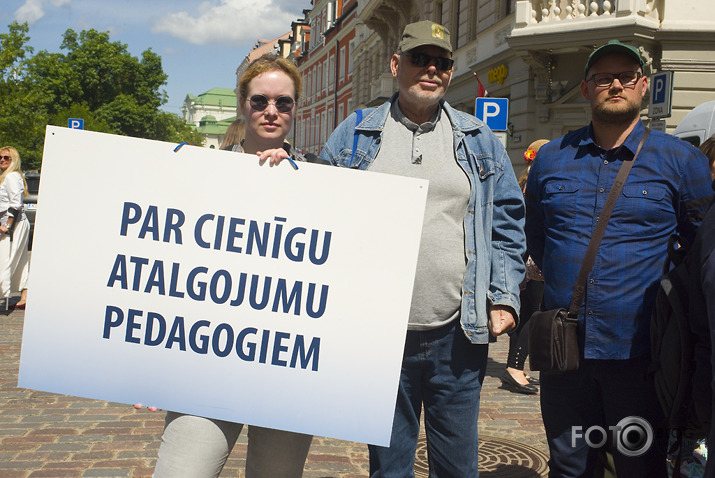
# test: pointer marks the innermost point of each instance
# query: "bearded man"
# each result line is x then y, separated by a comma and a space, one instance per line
667, 192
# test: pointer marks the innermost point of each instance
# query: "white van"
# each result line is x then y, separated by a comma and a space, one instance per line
698, 125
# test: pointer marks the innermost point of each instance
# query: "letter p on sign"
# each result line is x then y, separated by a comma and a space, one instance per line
494, 112
75, 123
661, 93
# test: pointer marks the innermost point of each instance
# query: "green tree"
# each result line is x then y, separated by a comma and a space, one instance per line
80, 110
13, 50
23, 118
94, 79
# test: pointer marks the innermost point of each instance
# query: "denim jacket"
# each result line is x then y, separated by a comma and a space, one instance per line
494, 223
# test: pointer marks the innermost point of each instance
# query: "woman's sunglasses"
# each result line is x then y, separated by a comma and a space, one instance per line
284, 104
422, 59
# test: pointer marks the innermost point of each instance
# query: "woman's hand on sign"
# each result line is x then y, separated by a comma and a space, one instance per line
274, 155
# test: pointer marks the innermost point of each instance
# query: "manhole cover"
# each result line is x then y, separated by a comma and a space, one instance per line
498, 457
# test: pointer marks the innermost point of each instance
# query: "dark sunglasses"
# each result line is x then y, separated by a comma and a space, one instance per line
8, 158
284, 104
422, 59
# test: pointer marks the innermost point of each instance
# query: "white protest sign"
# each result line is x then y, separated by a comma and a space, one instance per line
203, 282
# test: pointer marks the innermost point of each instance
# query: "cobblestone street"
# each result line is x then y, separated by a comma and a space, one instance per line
55, 436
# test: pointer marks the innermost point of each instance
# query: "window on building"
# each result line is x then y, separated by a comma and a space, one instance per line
331, 74
350, 58
308, 84
318, 78
303, 127
319, 31
311, 130
509, 7
323, 127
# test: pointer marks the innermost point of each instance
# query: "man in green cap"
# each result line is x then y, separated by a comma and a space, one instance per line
610, 400
470, 260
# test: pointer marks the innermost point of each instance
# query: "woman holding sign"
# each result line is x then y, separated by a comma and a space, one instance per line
198, 447
14, 227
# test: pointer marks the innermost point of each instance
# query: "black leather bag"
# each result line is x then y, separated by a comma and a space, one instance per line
553, 341
553, 334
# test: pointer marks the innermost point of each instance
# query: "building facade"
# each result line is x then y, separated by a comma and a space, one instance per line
213, 131
210, 113
529, 51
323, 55
217, 102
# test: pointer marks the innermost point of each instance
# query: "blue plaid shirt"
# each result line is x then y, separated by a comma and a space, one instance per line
668, 191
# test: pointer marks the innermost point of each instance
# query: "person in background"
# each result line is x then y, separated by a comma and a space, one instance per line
198, 447
14, 228
470, 261
702, 303
234, 134
708, 149
702, 313
667, 191
532, 290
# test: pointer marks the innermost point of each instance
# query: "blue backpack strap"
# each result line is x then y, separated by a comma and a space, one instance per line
355, 138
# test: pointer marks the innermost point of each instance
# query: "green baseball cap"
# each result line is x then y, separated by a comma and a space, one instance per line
613, 46
425, 33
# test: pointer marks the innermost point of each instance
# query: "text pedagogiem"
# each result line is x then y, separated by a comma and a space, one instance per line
239, 289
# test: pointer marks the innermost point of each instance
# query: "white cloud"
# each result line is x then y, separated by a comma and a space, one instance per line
230, 21
33, 10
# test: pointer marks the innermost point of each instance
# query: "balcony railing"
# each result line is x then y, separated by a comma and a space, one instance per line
540, 12
382, 87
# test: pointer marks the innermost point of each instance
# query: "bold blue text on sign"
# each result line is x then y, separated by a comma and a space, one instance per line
494, 112
75, 123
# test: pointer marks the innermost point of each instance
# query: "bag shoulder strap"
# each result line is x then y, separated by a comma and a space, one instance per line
600, 229
355, 137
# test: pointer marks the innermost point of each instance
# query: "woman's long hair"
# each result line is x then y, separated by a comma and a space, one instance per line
15, 165
234, 134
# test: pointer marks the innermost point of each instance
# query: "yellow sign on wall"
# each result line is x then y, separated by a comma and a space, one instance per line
498, 74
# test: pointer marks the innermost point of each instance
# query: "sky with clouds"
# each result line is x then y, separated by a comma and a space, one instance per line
200, 43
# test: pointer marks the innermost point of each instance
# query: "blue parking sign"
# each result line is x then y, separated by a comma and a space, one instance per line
661, 92
494, 112
75, 123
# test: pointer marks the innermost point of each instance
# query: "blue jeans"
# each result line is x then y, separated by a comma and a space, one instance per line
442, 371
601, 393
197, 447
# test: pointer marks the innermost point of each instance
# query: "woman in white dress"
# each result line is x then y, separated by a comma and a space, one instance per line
14, 228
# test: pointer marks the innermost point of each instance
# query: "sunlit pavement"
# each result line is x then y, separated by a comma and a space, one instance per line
55, 436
